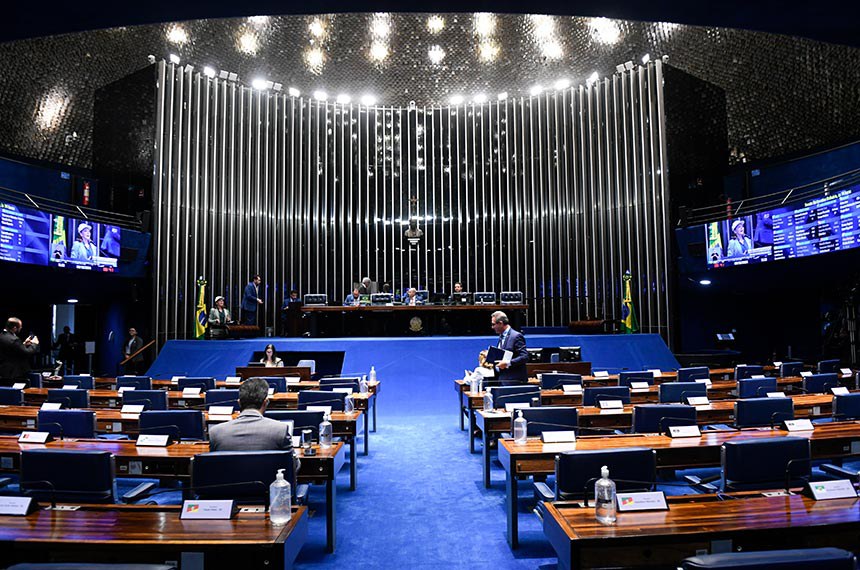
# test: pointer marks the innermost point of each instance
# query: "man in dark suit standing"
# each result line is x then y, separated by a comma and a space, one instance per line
250, 300
66, 353
513, 372
134, 366
14, 353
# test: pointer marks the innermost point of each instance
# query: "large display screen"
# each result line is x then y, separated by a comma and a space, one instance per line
829, 223
32, 236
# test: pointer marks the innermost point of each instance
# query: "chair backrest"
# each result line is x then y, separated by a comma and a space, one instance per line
276, 383
826, 366
203, 382
136, 382
152, 399
760, 412
657, 418
591, 394
67, 423
756, 387
223, 397
35, 379
555, 380
764, 463
179, 424
625, 377
11, 396
574, 470
846, 407
78, 398
79, 381
329, 384
79, 476
693, 373
319, 398
748, 371
820, 383
790, 369
800, 559
302, 419
672, 392
520, 394
312, 364
245, 475
549, 418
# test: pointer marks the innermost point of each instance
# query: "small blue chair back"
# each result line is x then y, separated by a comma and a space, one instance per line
657, 418
78, 398
555, 380
693, 373
762, 412
820, 383
73, 476
319, 398
591, 394
626, 377
136, 382
179, 424
152, 399
756, 387
67, 423
678, 392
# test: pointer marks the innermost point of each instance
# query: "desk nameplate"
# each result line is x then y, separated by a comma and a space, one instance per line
636, 502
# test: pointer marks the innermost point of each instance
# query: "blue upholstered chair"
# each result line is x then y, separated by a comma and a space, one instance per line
828, 366
549, 418
756, 387
765, 463
329, 384
302, 419
11, 396
222, 397
178, 424
592, 394
276, 383
555, 380
846, 407
626, 377
152, 399
319, 398
802, 559
205, 383
67, 423
521, 394
34, 379
763, 412
657, 418
136, 382
244, 475
678, 392
79, 476
79, 381
77, 398
745, 371
820, 383
787, 369
693, 373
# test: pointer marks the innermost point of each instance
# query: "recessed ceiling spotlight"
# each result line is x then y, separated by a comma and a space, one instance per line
535, 90
544, 26
380, 25
293, 92
71, 301
259, 84
436, 54
258, 20
368, 100
378, 51
209, 72
223, 74
315, 59
177, 35
488, 50
646, 58
278, 86
562, 84
619, 68
485, 24
502, 96
344, 99
435, 24
320, 95
551, 49
248, 43
316, 28
479, 99
174, 59
704, 282
456, 100
604, 30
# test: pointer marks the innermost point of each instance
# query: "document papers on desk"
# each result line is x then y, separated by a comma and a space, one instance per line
495, 355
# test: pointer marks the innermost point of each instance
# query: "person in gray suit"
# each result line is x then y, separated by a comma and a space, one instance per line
251, 431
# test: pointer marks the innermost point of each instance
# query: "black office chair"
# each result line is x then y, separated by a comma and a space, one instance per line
771, 463
744, 371
152, 399
756, 387
549, 418
302, 420
222, 397
178, 424
820, 383
657, 418
828, 366
276, 383
678, 392
78, 398
67, 423
555, 380
693, 373
136, 382
592, 394
763, 412
79, 381
626, 377
319, 398
11, 396
790, 369
60, 475
244, 476
204, 383
632, 468
521, 394
801, 559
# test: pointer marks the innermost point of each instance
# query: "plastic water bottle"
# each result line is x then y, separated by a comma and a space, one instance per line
372, 374
488, 401
520, 429
279, 500
473, 385
325, 432
362, 385
480, 383
604, 495
348, 404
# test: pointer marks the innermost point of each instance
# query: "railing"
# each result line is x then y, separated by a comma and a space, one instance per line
57, 207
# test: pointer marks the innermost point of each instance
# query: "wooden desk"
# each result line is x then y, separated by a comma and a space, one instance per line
152, 534
698, 524
174, 462
833, 440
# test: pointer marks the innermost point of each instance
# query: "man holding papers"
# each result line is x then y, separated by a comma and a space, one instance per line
510, 365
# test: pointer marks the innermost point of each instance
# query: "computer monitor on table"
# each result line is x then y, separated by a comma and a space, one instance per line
569, 353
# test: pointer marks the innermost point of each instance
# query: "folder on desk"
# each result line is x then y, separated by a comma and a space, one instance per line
496, 355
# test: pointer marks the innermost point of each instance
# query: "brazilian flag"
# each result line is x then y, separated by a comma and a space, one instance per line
202, 320
628, 315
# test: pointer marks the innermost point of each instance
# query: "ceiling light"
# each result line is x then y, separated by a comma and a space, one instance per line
604, 30
628, 65
209, 72
552, 49
479, 99
320, 95
646, 58
259, 84
488, 50
485, 24
456, 100
258, 20
592, 78
344, 99
316, 28
535, 91
704, 282
619, 68
544, 26
368, 100
380, 26
378, 51
562, 84
293, 92
223, 74
435, 24
502, 96
436, 54
71, 301
174, 59
177, 35
315, 59
248, 43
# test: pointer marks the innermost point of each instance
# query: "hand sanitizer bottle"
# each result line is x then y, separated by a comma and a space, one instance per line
325, 432
279, 500
488, 401
604, 495
520, 429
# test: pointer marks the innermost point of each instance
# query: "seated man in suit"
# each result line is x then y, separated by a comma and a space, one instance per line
411, 297
513, 372
251, 431
353, 299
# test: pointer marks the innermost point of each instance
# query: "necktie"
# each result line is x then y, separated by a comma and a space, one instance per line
501, 340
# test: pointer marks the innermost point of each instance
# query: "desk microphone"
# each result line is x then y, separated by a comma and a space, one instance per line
788, 466
774, 418
51, 487
58, 425
263, 488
